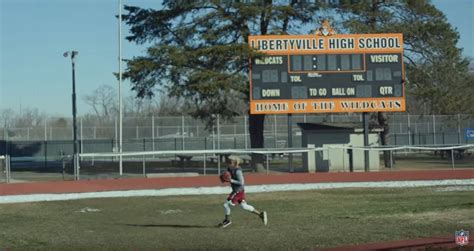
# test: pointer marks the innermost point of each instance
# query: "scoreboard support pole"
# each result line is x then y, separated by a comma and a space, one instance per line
365, 121
290, 142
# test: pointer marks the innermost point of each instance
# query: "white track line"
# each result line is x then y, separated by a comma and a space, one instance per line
225, 190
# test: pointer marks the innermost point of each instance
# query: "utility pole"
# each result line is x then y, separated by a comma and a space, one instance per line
73, 55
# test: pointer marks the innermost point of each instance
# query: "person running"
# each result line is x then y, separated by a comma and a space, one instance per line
237, 195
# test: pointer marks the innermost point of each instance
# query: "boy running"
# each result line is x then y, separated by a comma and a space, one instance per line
238, 193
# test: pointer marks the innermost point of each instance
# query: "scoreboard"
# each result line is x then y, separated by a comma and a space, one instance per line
327, 74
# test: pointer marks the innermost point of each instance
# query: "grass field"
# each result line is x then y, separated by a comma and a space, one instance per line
297, 220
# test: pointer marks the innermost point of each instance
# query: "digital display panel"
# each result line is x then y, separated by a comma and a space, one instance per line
317, 74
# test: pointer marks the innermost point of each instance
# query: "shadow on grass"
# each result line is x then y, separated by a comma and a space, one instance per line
169, 225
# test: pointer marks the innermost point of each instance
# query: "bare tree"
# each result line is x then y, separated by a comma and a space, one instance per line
102, 101
104, 104
29, 117
6, 116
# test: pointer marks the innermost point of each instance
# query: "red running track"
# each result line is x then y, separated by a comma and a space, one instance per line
210, 181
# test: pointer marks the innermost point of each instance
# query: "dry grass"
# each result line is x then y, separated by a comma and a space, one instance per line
298, 220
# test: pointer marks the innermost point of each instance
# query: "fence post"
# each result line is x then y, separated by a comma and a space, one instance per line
245, 131
434, 130
459, 128
143, 164
3, 167
213, 137
81, 145
45, 152
182, 131
275, 130
290, 142
218, 164
391, 160
112, 147
452, 158
45, 130
409, 130
7, 168
414, 135
205, 160
74, 167
268, 167
311, 159
63, 162
350, 152
116, 135
78, 166
218, 132
153, 133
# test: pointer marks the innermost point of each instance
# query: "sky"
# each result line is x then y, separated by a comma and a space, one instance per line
34, 34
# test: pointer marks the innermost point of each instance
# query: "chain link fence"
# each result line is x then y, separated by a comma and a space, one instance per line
45, 147
405, 129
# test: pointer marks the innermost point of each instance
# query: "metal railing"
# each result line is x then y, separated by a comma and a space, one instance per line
5, 169
346, 152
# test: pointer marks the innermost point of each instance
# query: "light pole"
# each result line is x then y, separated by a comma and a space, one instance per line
120, 89
73, 55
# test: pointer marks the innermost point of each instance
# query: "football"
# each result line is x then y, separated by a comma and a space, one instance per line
225, 176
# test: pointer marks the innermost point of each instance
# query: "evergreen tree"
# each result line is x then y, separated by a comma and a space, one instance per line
199, 51
435, 69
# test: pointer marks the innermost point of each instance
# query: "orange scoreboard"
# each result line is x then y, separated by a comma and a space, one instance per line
327, 74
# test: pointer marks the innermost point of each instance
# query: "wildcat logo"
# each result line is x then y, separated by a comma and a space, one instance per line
325, 29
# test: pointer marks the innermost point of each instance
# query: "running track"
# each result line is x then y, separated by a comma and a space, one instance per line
83, 186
